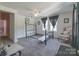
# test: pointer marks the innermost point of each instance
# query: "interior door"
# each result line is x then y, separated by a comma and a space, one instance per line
5, 23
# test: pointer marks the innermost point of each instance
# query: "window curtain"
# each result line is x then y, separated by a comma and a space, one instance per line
77, 41
75, 27
53, 20
74, 33
44, 21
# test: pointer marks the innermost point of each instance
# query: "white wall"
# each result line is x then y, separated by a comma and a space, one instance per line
19, 26
39, 27
61, 24
12, 27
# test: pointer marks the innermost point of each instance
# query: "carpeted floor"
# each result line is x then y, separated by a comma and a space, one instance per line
66, 51
33, 47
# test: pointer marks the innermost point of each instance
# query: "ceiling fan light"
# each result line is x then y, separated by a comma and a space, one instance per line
36, 14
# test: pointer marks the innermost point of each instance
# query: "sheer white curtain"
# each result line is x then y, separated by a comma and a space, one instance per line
51, 27
46, 25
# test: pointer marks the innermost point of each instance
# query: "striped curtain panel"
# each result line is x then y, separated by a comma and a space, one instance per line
75, 26
77, 41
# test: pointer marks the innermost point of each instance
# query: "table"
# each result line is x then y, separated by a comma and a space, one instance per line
13, 49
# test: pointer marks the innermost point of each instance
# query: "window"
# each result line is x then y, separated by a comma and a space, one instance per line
51, 27
46, 25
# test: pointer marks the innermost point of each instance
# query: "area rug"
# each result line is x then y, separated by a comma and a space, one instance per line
66, 51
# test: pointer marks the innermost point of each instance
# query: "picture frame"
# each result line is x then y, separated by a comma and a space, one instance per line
66, 20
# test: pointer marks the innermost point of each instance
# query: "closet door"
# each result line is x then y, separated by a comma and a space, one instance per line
5, 20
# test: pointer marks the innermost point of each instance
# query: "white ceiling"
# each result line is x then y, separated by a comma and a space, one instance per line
44, 8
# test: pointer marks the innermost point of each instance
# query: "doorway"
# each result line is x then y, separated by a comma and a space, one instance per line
5, 25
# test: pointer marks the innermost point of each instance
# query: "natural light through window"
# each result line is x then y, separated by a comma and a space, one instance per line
51, 27
45, 25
